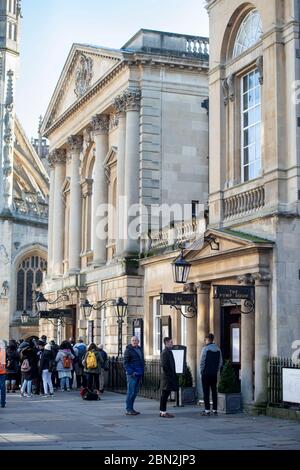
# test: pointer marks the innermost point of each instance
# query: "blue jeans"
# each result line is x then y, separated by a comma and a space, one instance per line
2, 390
65, 382
133, 383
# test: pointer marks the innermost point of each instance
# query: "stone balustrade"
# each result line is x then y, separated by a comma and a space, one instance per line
197, 46
180, 233
244, 203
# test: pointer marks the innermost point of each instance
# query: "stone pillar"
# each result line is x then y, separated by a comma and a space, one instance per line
261, 338
247, 349
58, 212
191, 336
75, 147
119, 105
100, 124
203, 291
132, 168
51, 160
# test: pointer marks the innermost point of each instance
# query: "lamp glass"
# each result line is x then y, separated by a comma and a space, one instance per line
41, 302
121, 308
181, 269
86, 308
24, 317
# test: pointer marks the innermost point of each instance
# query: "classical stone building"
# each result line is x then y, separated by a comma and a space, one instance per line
128, 128
23, 194
253, 233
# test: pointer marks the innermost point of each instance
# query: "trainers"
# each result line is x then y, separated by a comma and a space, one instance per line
205, 413
131, 413
45, 395
137, 412
166, 415
68, 389
214, 412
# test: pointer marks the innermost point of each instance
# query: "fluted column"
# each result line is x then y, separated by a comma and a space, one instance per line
51, 163
75, 147
261, 337
132, 166
100, 125
203, 302
58, 212
119, 105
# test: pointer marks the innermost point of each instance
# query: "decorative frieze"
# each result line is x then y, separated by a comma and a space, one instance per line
100, 124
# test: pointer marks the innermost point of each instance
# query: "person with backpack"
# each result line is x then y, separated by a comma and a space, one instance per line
2, 373
47, 363
64, 360
28, 361
104, 368
92, 363
80, 351
12, 366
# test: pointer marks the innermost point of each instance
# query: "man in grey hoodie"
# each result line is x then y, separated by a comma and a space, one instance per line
210, 363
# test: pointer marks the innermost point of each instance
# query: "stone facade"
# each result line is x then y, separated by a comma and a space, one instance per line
23, 193
137, 136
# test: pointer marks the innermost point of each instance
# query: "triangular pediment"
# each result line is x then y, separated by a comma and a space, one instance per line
217, 242
85, 66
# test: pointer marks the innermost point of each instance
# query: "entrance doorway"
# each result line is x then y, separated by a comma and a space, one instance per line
71, 325
231, 336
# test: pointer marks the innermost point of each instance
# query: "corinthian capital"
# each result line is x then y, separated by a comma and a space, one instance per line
56, 157
129, 100
75, 142
262, 278
100, 124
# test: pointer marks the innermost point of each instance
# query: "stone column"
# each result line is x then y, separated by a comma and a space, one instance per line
132, 168
75, 147
119, 105
203, 291
191, 336
100, 124
261, 337
58, 212
51, 160
247, 349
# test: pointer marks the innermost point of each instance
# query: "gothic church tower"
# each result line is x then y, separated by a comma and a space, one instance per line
10, 14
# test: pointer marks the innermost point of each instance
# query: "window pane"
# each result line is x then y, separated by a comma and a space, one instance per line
39, 278
29, 281
251, 151
20, 290
246, 173
246, 155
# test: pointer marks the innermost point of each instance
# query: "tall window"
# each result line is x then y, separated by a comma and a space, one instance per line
251, 126
156, 326
29, 272
250, 33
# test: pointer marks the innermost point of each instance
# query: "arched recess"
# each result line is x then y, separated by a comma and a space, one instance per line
34, 258
232, 30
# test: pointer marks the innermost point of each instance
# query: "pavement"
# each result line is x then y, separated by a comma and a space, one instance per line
67, 422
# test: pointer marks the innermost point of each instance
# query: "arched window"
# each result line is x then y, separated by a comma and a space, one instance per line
249, 33
30, 271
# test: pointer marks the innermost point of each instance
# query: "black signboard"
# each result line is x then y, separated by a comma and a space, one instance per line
234, 292
57, 313
178, 299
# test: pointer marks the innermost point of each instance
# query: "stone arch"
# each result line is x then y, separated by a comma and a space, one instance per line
232, 29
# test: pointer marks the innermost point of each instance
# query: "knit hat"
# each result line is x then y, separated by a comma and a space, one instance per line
48, 347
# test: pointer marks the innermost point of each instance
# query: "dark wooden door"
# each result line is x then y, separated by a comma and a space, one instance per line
231, 336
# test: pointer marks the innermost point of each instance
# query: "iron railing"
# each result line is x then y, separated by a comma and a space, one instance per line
150, 384
275, 366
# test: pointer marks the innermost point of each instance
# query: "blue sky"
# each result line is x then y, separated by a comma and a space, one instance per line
50, 27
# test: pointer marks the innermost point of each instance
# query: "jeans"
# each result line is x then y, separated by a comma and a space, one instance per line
65, 382
133, 383
47, 382
26, 385
210, 382
2, 390
92, 381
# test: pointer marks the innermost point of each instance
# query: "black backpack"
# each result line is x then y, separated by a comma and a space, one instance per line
89, 395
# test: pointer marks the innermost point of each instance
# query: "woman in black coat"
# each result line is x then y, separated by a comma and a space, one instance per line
12, 366
168, 378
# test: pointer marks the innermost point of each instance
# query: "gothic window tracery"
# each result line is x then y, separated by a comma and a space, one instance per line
30, 271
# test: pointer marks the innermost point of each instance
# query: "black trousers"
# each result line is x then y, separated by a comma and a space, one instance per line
163, 399
93, 381
210, 382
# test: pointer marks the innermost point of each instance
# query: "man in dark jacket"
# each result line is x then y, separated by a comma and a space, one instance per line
134, 367
168, 378
210, 364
